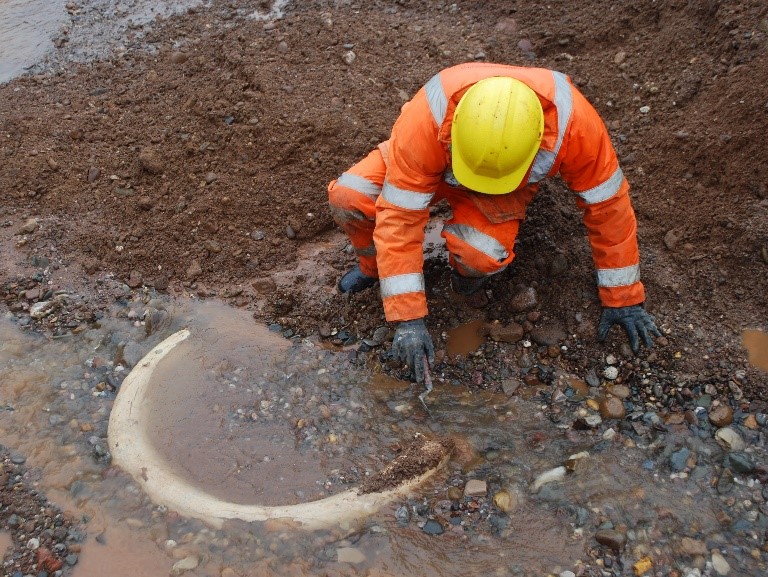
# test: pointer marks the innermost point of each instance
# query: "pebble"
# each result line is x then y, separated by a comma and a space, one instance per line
184, 565
475, 488
525, 45
134, 279
178, 57
507, 26
510, 333
525, 300
612, 408
592, 379
751, 422
610, 373
730, 439
510, 386
558, 266
719, 564
433, 527
348, 57
455, 493
704, 401
350, 555
194, 270
30, 226
721, 416
592, 421
725, 482
505, 501
620, 391
671, 239
626, 351
151, 161
693, 547
611, 538
212, 246
378, 337
740, 463
679, 459
642, 566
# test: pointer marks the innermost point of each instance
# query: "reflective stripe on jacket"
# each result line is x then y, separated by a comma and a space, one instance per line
575, 144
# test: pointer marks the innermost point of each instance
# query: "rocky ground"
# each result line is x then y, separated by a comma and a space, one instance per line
45, 538
195, 163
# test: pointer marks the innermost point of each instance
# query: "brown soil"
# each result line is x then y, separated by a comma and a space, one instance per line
201, 169
416, 459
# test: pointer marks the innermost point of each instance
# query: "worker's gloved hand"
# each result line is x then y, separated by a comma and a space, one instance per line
635, 320
411, 344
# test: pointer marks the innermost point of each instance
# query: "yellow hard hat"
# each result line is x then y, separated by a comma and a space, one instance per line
496, 132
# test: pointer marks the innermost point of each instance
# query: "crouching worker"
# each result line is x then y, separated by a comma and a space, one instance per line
482, 136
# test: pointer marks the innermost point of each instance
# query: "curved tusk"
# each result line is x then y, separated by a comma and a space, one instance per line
133, 451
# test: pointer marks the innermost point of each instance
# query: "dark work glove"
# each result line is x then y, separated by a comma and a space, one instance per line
635, 320
411, 344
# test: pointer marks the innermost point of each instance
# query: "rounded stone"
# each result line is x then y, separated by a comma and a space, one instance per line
612, 408
721, 416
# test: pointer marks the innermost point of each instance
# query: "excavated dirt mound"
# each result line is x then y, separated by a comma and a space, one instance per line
198, 165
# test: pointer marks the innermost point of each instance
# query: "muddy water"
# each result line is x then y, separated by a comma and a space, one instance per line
237, 395
27, 30
465, 338
214, 417
756, 343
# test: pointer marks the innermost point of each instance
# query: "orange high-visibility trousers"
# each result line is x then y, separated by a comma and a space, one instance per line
353, 196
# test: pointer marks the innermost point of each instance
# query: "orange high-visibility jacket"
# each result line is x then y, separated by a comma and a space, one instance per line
575, 145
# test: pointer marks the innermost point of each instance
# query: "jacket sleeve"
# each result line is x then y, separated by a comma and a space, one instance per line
591, 170
415, 163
